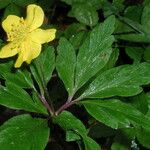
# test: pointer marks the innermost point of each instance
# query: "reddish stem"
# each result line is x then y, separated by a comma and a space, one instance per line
45, 103
65, 106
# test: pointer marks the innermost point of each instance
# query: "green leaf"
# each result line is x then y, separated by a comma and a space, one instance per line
132, 13
72, 136
12, 9
147, 54
90, 144
45, 63
125, 139
99, 130
5, 67
5, 3
14, 97
143, 136
119, 4
119, 146
141, 29
73, 29
65, 64
140, 102
70, 2
135, 53
95, 52
95, 3
77, 39
117, 81
24, 2
85, 14
146, 2
145, 17
140, 38
43, 66
69, 122
112, 8
38, 104
67, 1
112, 61
46, 4
23, 133
115, 113
133, 24
20, 77
121, 28
148, 96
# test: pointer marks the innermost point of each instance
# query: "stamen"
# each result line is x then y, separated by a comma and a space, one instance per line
18, 31
18, 46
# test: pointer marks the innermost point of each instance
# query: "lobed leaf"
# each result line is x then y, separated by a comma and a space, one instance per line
85, 14
95, 52
135, 53
43, 67
13, 96
65, 64
24, 132
12, 9
117, 81
90, 144
24, 2
147, 54
20, 77
5, 3
70, 123
145, 18
143, 136
140, 102
115, 113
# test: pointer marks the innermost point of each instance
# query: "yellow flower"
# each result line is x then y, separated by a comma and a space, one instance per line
24, 35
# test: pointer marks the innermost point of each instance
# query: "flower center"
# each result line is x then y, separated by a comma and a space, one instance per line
18, 32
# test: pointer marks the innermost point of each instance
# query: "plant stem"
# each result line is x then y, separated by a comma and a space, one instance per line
50, 101
66, 105
46, 93
69, 99
45, 103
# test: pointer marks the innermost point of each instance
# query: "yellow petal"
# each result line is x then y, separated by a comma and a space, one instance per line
30, 51
8, 50
19, 60
43, 36
33, 52
35, 16
9, 23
